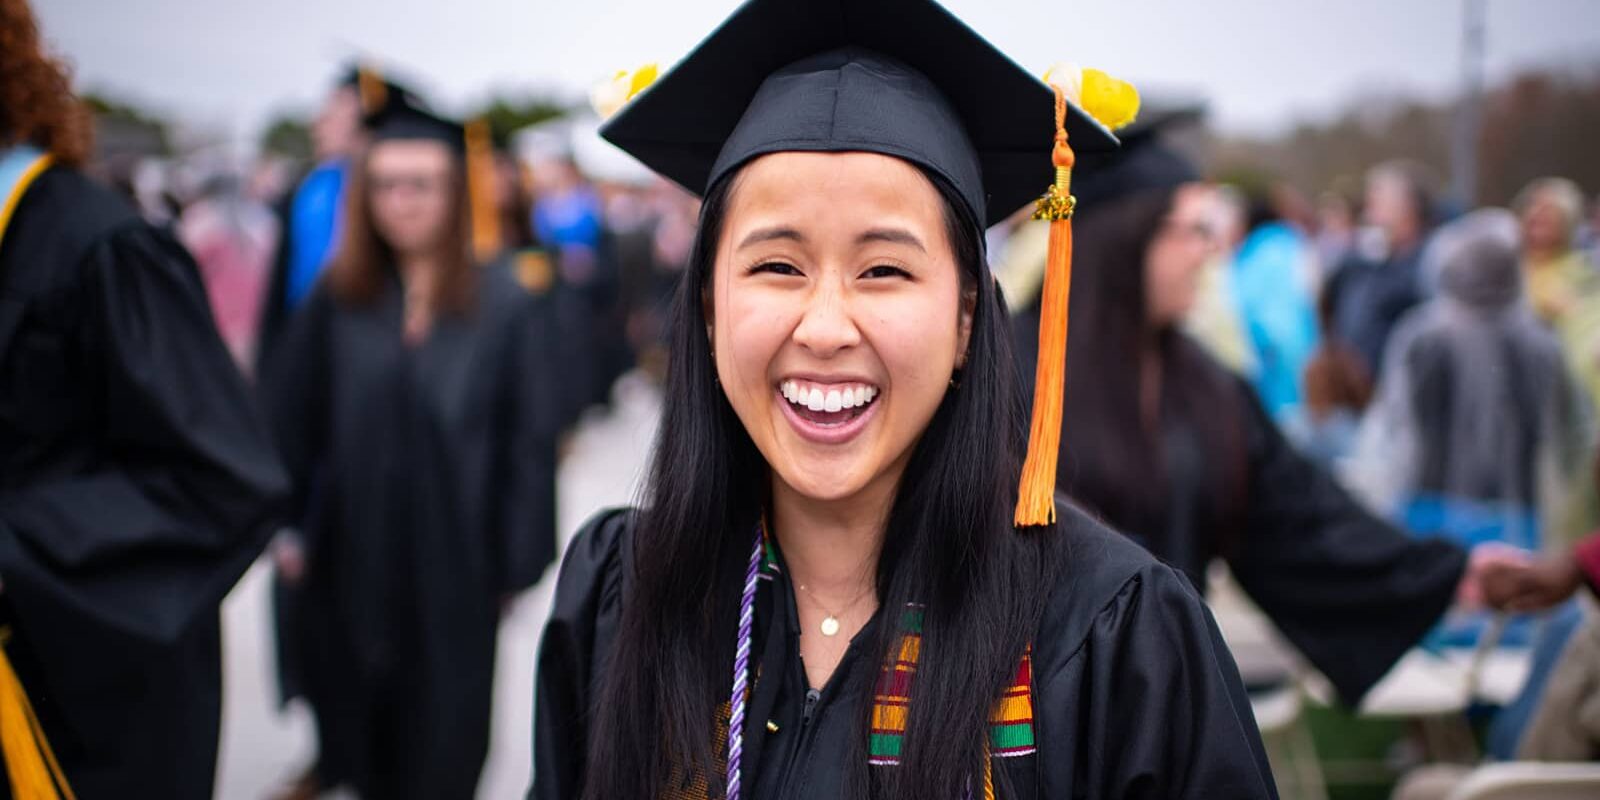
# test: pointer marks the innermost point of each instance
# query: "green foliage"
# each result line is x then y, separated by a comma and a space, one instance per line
125, 126
288, 136
1535, 124
507, 116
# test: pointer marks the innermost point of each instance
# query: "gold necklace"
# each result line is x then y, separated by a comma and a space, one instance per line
830, 623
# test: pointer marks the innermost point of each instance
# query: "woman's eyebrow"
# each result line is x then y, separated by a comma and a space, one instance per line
891, 235
760, 235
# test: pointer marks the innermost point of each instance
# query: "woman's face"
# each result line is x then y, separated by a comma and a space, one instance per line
1544, 225
837, 315
411, 186
1180, 249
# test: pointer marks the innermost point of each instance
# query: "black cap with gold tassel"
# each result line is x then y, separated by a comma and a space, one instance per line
406, 118
1113, 103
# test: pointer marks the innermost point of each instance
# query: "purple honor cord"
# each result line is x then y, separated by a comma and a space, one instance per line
741, 670
741, 674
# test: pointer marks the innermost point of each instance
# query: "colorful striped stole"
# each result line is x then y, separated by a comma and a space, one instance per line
1010, 722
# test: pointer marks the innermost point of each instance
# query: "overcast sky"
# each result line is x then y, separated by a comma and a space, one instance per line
1261, 64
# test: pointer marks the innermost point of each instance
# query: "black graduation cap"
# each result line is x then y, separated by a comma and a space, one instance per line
900, 77
1146, 160
375, 90
409, 120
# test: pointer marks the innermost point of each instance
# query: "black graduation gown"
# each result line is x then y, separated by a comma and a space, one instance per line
1134, 692
557, 311
275, 312
1350, 591
136, 486
425, 489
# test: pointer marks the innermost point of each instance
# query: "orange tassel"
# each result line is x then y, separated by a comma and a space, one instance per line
1036, 494
486, 241
371, 90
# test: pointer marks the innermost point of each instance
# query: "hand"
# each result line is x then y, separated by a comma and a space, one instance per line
1469, 593
289, 556
1531, 587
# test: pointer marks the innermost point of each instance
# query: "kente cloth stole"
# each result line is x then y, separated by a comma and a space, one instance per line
1010, 722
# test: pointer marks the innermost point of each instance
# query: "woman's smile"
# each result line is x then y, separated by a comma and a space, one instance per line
828, 412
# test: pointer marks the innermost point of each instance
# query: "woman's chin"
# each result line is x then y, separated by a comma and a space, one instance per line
826, 481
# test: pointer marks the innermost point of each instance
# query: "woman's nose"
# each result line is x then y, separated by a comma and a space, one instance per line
826, 326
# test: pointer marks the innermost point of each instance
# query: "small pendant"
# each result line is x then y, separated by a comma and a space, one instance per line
830, 626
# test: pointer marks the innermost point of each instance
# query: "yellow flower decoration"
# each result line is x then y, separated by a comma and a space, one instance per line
610, 96
1114, 103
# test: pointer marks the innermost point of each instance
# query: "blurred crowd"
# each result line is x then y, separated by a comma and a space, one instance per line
1441, 360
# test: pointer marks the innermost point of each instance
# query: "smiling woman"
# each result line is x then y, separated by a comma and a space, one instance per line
825, 594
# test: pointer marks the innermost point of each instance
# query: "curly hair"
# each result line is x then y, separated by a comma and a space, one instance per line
36, 100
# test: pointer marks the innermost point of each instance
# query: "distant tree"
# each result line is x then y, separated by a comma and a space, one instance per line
1535, 124
1540, 124
507, 116
288, 136
122, 127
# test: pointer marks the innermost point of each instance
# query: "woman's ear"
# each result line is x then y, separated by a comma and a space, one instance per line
969, 306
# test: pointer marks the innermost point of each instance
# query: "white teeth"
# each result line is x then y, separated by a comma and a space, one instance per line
831, 400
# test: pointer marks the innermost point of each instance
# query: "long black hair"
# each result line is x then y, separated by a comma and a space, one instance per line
949, 545
1116, 464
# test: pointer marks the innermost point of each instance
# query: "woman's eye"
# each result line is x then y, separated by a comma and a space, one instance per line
776, 268
885, 271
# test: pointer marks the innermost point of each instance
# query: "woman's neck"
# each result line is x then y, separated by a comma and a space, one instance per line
416, 269
832, 546
419, 277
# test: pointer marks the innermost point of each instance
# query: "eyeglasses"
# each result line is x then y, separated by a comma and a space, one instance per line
1175, 229
415, 184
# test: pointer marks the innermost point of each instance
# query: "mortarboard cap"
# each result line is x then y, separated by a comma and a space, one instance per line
375, 91
407, 119
1146, 160
904, 78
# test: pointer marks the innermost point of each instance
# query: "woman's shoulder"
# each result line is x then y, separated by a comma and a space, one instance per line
1103, 577
1119, 633
591, 573
1095, 558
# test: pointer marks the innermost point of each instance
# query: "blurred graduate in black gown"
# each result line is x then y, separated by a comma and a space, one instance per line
514, 245
312, 214
1170, 447
136, 482
412, 401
